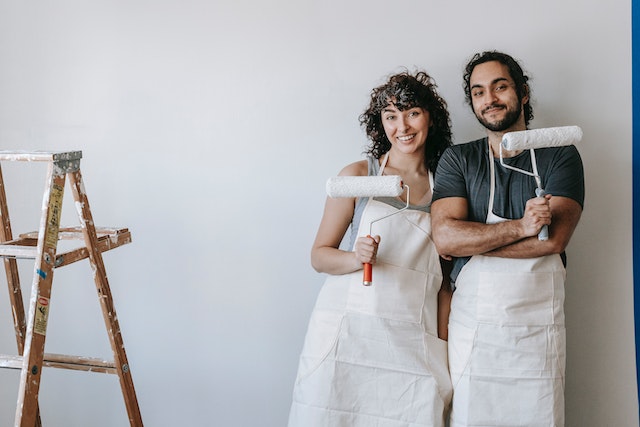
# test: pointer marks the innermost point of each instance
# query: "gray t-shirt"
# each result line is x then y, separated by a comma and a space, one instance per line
464, 171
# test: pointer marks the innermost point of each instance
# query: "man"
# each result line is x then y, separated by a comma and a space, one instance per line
506, 327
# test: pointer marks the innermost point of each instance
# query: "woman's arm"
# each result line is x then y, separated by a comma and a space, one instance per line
326, 257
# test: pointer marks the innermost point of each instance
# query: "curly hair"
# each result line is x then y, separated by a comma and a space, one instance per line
515, 71
407, 91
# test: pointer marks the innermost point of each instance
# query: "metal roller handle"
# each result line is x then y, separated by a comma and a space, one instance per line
544, 231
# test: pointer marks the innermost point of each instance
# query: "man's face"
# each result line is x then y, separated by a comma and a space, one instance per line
494, 97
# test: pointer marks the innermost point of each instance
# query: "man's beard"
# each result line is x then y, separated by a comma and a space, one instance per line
509, 120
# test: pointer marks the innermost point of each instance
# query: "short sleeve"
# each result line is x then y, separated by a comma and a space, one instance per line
565, 176
449, 178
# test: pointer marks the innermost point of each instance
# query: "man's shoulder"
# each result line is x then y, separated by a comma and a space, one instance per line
469, 147
562, 153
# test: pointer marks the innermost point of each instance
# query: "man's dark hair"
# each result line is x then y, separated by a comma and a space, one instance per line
515, 71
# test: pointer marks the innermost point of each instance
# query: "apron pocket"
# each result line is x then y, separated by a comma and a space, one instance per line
397, 293
538, 403
516, 351
516, 298
322, 336
461, 340
388, 369
438, 366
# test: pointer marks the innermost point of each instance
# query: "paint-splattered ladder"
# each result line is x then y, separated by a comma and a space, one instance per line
42, 246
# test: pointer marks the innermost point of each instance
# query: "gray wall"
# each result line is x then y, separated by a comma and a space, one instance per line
209, 128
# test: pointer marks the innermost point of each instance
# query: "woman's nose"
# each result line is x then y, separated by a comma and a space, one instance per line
404, 124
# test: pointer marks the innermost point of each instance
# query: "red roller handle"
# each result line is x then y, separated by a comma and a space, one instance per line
367, 278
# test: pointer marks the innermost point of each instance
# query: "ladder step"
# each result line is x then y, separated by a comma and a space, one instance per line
76, 363
18, 251
75, 233
39, 156
26, 246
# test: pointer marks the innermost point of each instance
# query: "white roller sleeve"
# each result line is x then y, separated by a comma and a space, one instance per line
541, 138
365, 186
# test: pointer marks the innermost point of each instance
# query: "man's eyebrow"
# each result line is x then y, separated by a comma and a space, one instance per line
499, 79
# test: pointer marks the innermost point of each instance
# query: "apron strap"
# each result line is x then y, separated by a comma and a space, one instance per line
384, 163
492, 184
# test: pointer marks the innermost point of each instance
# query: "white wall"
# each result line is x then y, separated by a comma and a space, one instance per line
209, 129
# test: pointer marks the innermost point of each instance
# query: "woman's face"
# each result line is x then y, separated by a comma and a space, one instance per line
406, 130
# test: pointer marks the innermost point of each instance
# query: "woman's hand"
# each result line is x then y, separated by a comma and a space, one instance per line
366, 249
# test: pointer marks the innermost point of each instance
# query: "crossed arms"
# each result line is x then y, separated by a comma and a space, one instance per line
456, 236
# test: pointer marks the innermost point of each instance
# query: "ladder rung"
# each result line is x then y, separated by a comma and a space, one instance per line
25, 246
75, 233
39, 156
18, 251
77, 363
105, 243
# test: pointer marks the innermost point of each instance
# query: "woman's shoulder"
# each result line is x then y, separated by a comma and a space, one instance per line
359, 168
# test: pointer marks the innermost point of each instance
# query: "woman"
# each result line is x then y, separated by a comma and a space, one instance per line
372, 356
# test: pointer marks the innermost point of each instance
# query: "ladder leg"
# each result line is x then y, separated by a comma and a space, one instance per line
27, 407
11, 270
13, 278
106, 299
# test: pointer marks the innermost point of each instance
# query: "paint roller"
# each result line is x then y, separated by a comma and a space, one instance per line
368, 186
539, 138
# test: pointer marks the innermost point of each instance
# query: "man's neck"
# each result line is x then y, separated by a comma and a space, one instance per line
495, 140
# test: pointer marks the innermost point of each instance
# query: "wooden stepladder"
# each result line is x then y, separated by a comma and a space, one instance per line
42, 246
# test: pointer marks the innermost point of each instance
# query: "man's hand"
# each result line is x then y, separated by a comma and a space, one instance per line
537, 213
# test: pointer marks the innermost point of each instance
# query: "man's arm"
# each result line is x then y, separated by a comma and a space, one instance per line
565, 214
455, 236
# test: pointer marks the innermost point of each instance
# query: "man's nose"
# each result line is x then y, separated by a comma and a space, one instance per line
489, 97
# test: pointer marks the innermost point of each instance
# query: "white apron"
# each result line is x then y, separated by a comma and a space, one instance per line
371, 357
507, 340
